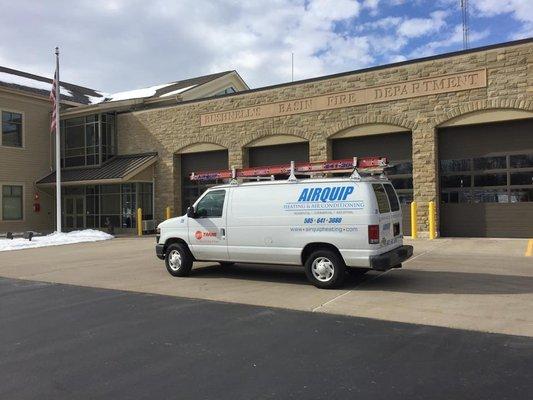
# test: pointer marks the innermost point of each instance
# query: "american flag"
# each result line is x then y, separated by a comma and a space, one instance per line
53, 99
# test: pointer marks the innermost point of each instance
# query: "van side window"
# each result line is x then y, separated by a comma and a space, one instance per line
381, 197
393, 199
211, 205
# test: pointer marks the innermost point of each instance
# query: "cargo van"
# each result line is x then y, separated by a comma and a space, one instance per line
327, 225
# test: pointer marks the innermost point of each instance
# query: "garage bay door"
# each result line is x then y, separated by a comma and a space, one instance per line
194, 162
397, 148
486, 180
278, 154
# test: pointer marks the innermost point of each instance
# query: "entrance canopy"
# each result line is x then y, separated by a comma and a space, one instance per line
119, 169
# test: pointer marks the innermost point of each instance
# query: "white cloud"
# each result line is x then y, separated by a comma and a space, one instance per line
449, 42
119, 45
415, 27
520, 10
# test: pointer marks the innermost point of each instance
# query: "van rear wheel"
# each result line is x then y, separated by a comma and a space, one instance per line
325, 269
178, 260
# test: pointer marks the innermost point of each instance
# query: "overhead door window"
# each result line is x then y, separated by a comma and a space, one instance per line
12, 202
506, 178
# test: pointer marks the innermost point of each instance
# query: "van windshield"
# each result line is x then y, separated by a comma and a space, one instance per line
381, 197
393, 199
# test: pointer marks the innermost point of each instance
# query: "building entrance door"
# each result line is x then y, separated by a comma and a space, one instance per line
74, 212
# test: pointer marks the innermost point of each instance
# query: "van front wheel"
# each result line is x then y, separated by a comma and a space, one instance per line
325, 269
178, 260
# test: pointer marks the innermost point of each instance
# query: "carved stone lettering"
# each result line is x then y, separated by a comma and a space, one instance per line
396, 91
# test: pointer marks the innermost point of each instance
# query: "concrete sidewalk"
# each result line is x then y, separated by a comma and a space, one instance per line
477, 284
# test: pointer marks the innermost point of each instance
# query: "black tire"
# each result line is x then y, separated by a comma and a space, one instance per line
185, 260
335, 271
226, 263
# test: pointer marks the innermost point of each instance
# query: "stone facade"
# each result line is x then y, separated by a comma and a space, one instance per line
168, 130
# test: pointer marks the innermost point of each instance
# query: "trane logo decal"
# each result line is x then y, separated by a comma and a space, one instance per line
326, 194
325, 198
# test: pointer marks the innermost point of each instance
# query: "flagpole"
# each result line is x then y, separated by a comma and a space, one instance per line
58, 147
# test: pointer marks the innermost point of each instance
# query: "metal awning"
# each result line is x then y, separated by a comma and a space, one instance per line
116, 170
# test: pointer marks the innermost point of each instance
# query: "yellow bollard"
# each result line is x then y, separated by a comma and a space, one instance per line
529, 250
414, 226
432, 217
168, 213
139, 222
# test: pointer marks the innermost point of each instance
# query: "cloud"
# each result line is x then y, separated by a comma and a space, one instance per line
415, 27
521, 10
118, 45
448, 42
121, 45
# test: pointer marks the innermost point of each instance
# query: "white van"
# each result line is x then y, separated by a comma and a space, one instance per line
326, 225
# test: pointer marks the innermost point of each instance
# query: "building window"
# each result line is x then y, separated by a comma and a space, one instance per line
506, 178
12, 203
87, 141
11, 129
228, 90
114, 204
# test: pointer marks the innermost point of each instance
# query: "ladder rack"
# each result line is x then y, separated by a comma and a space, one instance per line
348, 165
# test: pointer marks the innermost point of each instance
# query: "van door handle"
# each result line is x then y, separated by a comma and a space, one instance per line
222, 233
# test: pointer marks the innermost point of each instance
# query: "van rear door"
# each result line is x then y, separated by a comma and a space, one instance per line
386, 235
396, 212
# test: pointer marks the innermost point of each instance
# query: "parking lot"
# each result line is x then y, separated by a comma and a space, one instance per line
473, 284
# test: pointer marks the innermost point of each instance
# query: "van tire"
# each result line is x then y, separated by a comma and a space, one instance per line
178, 260
330, 274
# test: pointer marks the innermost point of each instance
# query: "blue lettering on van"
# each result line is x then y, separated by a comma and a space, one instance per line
335, 193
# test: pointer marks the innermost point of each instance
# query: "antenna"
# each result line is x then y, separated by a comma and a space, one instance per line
464, 12
292, 67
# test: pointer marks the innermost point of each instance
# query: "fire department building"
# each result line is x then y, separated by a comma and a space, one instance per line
457, 128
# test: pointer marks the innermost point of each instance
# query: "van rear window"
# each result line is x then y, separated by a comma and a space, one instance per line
381, 197
393, 199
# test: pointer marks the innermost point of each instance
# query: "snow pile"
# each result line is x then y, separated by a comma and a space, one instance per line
54, 239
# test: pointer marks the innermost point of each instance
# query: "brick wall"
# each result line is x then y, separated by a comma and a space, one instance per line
167, 130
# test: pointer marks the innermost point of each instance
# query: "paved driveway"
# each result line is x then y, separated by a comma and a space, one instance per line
475, 284
70, 342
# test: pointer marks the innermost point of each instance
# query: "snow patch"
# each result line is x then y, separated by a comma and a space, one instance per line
136, 93
54, 239
32, 83
178, 91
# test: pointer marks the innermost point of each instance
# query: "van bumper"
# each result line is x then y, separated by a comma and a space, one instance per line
160, 251
391, 259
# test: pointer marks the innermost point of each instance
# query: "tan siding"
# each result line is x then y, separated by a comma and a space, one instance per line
26, 165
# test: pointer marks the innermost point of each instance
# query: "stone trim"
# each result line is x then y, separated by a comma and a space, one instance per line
479, 105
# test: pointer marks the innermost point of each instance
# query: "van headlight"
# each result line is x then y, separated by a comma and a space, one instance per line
158, 231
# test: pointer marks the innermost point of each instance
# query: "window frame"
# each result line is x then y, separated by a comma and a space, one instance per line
23, 197
23, 129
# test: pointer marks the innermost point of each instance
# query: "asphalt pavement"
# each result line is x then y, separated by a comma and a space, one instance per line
69, 342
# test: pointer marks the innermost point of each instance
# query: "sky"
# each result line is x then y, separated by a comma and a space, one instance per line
116, 45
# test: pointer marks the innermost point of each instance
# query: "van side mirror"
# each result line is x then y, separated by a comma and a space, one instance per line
190, 212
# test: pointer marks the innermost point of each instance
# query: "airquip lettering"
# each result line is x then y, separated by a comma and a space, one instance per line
336, 193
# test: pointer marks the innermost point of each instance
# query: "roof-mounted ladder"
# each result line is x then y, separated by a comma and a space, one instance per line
355, 165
